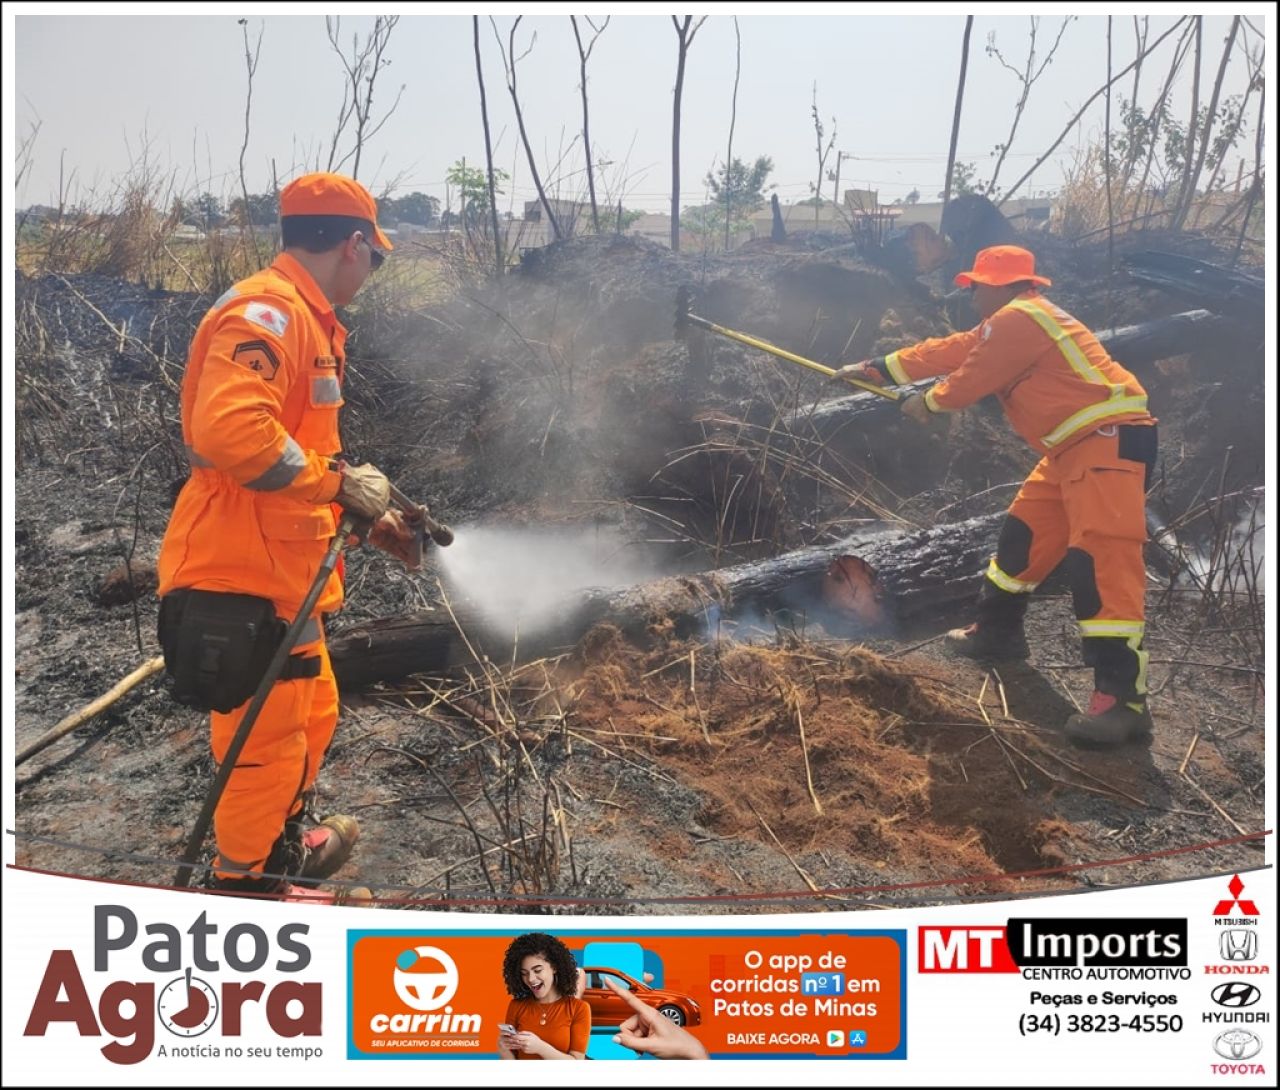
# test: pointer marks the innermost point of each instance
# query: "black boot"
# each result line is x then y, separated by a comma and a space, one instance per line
1109, 722
997, 635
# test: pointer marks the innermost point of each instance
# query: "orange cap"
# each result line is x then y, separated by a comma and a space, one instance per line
332, 195
1001, 265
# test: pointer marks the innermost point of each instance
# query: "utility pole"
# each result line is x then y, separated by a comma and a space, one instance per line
841, 156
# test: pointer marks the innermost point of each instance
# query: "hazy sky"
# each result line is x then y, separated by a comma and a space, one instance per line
172, 78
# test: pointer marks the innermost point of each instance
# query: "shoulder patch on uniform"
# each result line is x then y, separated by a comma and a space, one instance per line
267, 316
257, 356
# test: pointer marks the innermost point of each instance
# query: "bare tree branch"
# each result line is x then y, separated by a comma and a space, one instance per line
584, 55
1080, 113
509, 62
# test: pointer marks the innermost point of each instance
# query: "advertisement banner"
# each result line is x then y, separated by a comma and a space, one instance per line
1163, 985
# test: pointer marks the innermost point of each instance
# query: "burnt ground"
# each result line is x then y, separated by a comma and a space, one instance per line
739, 771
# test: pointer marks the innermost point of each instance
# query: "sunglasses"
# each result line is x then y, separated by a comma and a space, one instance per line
376, 256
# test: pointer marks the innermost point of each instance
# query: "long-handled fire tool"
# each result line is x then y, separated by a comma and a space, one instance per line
440, 534
685, 319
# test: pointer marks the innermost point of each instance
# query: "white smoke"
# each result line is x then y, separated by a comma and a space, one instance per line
523, 577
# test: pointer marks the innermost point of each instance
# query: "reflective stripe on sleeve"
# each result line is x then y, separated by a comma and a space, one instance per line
281, 474
325, 390
899, 376
198, 460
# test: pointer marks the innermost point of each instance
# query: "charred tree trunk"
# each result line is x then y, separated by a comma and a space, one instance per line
872, 580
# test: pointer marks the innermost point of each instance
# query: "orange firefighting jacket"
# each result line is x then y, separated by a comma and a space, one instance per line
1053, 378
260, 401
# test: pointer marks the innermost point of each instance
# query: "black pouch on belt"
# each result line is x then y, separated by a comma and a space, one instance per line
217, 647
1138, 443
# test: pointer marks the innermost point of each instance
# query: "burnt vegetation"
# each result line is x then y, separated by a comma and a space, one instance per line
712, 715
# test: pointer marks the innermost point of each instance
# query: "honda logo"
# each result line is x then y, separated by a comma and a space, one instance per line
1237, 1044
1238, 944
1236, 994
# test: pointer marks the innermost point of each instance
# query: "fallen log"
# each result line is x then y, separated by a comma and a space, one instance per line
90, 710
1134, 346
874, 580
1229, 292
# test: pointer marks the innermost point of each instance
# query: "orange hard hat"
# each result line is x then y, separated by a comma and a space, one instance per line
1001, 265
332, 195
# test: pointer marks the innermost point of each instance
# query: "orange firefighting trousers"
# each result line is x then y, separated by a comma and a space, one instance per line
1085, 506
279, 762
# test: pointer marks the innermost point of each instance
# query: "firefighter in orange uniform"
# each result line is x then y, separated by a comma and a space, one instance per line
1085, 500
260, 400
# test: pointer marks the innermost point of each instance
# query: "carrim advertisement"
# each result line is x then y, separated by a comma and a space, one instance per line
1165, 985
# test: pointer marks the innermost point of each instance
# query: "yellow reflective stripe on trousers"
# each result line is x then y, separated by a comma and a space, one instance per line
1140, 682
1113, 628
1008, 582
899, 376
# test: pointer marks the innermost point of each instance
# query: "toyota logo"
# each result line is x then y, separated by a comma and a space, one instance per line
1237, 1044
1236, 995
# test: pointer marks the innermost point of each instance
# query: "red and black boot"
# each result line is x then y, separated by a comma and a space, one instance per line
1110, 722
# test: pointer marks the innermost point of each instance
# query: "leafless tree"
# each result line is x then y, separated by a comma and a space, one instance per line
1027, 77
488, 150
733, 121
1189, 188
822, 153
1081, 112
584, 55
251, 66
1255, 187
686, 28
955, 121
1157, 111
1192, 125
366, 60
509, 62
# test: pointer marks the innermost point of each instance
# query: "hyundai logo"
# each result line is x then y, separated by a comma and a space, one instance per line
1236, 994
1237, 1044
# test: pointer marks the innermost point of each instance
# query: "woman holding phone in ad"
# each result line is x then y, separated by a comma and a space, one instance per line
545, 1019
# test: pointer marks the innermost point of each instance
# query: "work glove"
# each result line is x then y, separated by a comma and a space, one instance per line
914, 406
873, 371
364, 494
399, 533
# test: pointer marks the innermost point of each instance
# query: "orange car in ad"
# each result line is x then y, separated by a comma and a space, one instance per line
608, 1009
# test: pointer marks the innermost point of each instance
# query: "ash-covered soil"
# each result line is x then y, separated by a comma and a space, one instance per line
754, 768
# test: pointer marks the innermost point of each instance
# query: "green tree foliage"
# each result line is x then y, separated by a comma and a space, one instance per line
263, 210
472, 185
963, 181
416, 208
740, 188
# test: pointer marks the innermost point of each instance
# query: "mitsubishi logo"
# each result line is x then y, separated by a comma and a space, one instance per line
1247, 908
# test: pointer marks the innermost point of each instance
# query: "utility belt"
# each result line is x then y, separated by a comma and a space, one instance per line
217, 647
